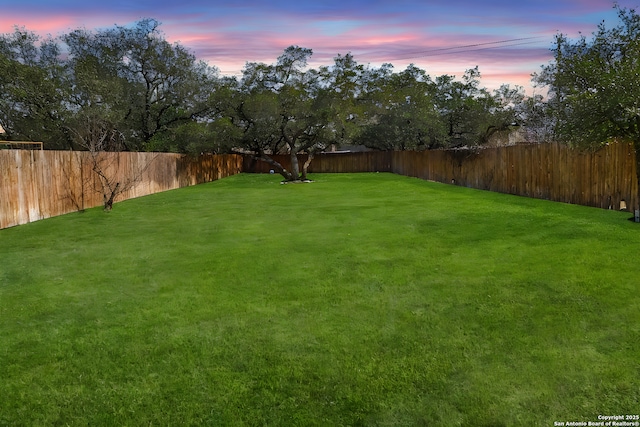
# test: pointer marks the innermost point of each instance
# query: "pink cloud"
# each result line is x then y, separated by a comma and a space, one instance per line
41, 25
402, 32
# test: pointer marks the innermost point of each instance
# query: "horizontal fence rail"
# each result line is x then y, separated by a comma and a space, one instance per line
40, 184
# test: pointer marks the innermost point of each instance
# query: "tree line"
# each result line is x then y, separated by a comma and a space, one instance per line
128, 88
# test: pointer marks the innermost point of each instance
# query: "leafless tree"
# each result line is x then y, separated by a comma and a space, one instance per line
102, 141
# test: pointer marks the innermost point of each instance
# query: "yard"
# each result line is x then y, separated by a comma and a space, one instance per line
359, 299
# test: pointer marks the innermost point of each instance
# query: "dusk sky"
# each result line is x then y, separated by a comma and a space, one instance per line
507, 40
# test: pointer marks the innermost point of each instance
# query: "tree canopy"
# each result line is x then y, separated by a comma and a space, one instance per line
128, 86
128, 78
594, 85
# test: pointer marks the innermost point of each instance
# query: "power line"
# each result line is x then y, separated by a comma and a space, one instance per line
476, 50
475, 46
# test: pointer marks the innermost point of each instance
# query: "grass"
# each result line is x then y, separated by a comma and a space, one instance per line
364, 299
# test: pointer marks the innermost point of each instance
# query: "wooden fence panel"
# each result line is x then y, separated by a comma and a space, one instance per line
555, 172
368, 161
39, 184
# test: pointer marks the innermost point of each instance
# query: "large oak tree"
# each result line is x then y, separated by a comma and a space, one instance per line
595, 85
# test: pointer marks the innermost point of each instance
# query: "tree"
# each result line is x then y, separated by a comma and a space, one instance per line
34, 87
156, 86
535, 114
402, 114
594, 90
464, 107
149, 86
99, 137
282, 108
509, 108
344, 88
255, 112
195, 138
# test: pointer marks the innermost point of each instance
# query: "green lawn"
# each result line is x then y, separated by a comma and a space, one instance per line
359, 299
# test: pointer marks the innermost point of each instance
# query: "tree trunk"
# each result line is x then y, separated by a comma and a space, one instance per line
636, 208
305, 167
295, 167
281, 170
108, 202
277, 166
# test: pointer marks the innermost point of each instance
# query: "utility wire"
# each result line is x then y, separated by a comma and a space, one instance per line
473, 50
475, 46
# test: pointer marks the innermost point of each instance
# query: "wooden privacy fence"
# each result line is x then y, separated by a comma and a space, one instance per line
555, 172
602, 178
41, 184
368, 161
